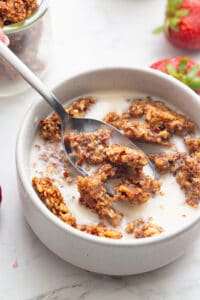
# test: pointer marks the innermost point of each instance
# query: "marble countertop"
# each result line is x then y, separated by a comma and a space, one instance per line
87, 34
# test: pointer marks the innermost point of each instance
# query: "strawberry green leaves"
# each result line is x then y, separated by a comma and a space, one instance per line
171, 70
190, 77
182, 13
181, 68
173, 16
174, 4
183, 65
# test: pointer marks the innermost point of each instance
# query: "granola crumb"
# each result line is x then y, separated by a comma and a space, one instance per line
101, 230
142, 229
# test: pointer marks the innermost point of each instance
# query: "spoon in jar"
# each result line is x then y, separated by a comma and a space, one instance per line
68, 123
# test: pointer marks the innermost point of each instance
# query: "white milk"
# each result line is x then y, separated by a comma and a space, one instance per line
168, 210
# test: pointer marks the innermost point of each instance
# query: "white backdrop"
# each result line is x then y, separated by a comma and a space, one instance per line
86, 34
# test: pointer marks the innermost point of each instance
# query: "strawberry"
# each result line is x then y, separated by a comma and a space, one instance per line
182, 23
183, 69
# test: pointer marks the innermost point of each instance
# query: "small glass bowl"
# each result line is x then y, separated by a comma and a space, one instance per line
30, 41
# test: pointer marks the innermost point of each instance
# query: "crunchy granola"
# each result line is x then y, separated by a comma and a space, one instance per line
160, 117
94, 195
137, 130
80, 107
53, 199
50, 127
100, 230
118, 155
167, 162
122, 165
89, 147
143, 229
14, 11
189, 179
137, 189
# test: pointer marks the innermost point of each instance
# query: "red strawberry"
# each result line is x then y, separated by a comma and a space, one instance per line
182, 23
182, 68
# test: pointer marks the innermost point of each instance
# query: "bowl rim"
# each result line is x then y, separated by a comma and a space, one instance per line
33, 197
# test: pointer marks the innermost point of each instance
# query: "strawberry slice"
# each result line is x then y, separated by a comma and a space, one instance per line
182, 23
182, 68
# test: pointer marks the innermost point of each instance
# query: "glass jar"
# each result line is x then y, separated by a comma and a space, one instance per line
30, 41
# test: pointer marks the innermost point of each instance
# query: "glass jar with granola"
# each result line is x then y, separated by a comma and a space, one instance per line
26, 23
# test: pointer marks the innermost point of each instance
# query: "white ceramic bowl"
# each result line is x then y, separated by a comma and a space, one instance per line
101, 255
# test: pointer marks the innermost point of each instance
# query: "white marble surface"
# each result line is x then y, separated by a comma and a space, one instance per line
88, 34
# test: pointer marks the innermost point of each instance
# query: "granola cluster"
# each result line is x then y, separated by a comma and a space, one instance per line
50, 128
160, 122
143, 229
136, 189
94, 148
94, 195
89, 147
185, 167
166, 162
189, 173
14, 11
137, 130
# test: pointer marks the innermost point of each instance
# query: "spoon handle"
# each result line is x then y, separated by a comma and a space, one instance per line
33, 80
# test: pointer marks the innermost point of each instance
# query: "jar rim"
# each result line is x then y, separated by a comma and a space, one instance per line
16, 27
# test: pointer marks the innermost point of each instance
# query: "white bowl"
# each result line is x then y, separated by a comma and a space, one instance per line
101, 255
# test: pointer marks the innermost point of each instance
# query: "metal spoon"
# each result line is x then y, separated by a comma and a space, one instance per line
67, 122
